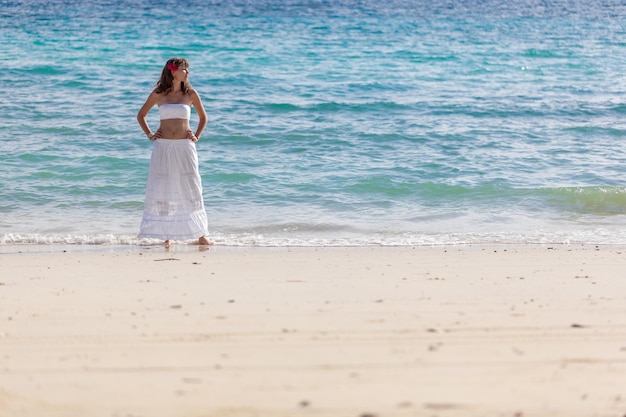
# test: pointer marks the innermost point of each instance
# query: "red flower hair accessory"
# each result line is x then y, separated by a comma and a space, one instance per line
172, 67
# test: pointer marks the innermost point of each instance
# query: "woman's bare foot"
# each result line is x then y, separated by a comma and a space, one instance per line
204, 241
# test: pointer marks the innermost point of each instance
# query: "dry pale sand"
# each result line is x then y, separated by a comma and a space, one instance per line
350, 332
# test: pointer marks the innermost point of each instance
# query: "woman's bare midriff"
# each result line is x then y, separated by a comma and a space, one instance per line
174, 128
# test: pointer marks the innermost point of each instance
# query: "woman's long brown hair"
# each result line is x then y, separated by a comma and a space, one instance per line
166, 82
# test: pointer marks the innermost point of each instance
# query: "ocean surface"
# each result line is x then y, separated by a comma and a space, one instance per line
331, 122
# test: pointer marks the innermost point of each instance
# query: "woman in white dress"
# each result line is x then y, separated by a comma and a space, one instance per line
174, 207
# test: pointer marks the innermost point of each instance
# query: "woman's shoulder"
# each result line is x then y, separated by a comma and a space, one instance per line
154, 95
153, 99
194, 93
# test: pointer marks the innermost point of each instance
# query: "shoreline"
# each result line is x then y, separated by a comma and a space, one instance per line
339, 236
277, 332
43, 248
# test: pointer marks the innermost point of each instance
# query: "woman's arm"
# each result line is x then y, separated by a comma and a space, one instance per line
143, 113
202, 117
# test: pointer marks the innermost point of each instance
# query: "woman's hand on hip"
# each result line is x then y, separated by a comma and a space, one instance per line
191, 136
158, 135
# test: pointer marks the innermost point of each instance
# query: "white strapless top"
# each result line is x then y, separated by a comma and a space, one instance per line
174, 111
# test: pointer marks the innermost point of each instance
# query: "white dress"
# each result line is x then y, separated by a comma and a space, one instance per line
174, 207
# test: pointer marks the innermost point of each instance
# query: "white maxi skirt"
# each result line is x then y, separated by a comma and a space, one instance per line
174, 207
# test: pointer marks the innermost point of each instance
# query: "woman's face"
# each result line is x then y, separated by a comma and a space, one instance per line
182, 74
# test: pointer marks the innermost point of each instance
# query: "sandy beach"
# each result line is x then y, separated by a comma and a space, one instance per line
350, 332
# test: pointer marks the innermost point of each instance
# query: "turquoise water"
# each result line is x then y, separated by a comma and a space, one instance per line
331, 122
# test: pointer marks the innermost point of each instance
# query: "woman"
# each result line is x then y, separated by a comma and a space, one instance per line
174, 208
